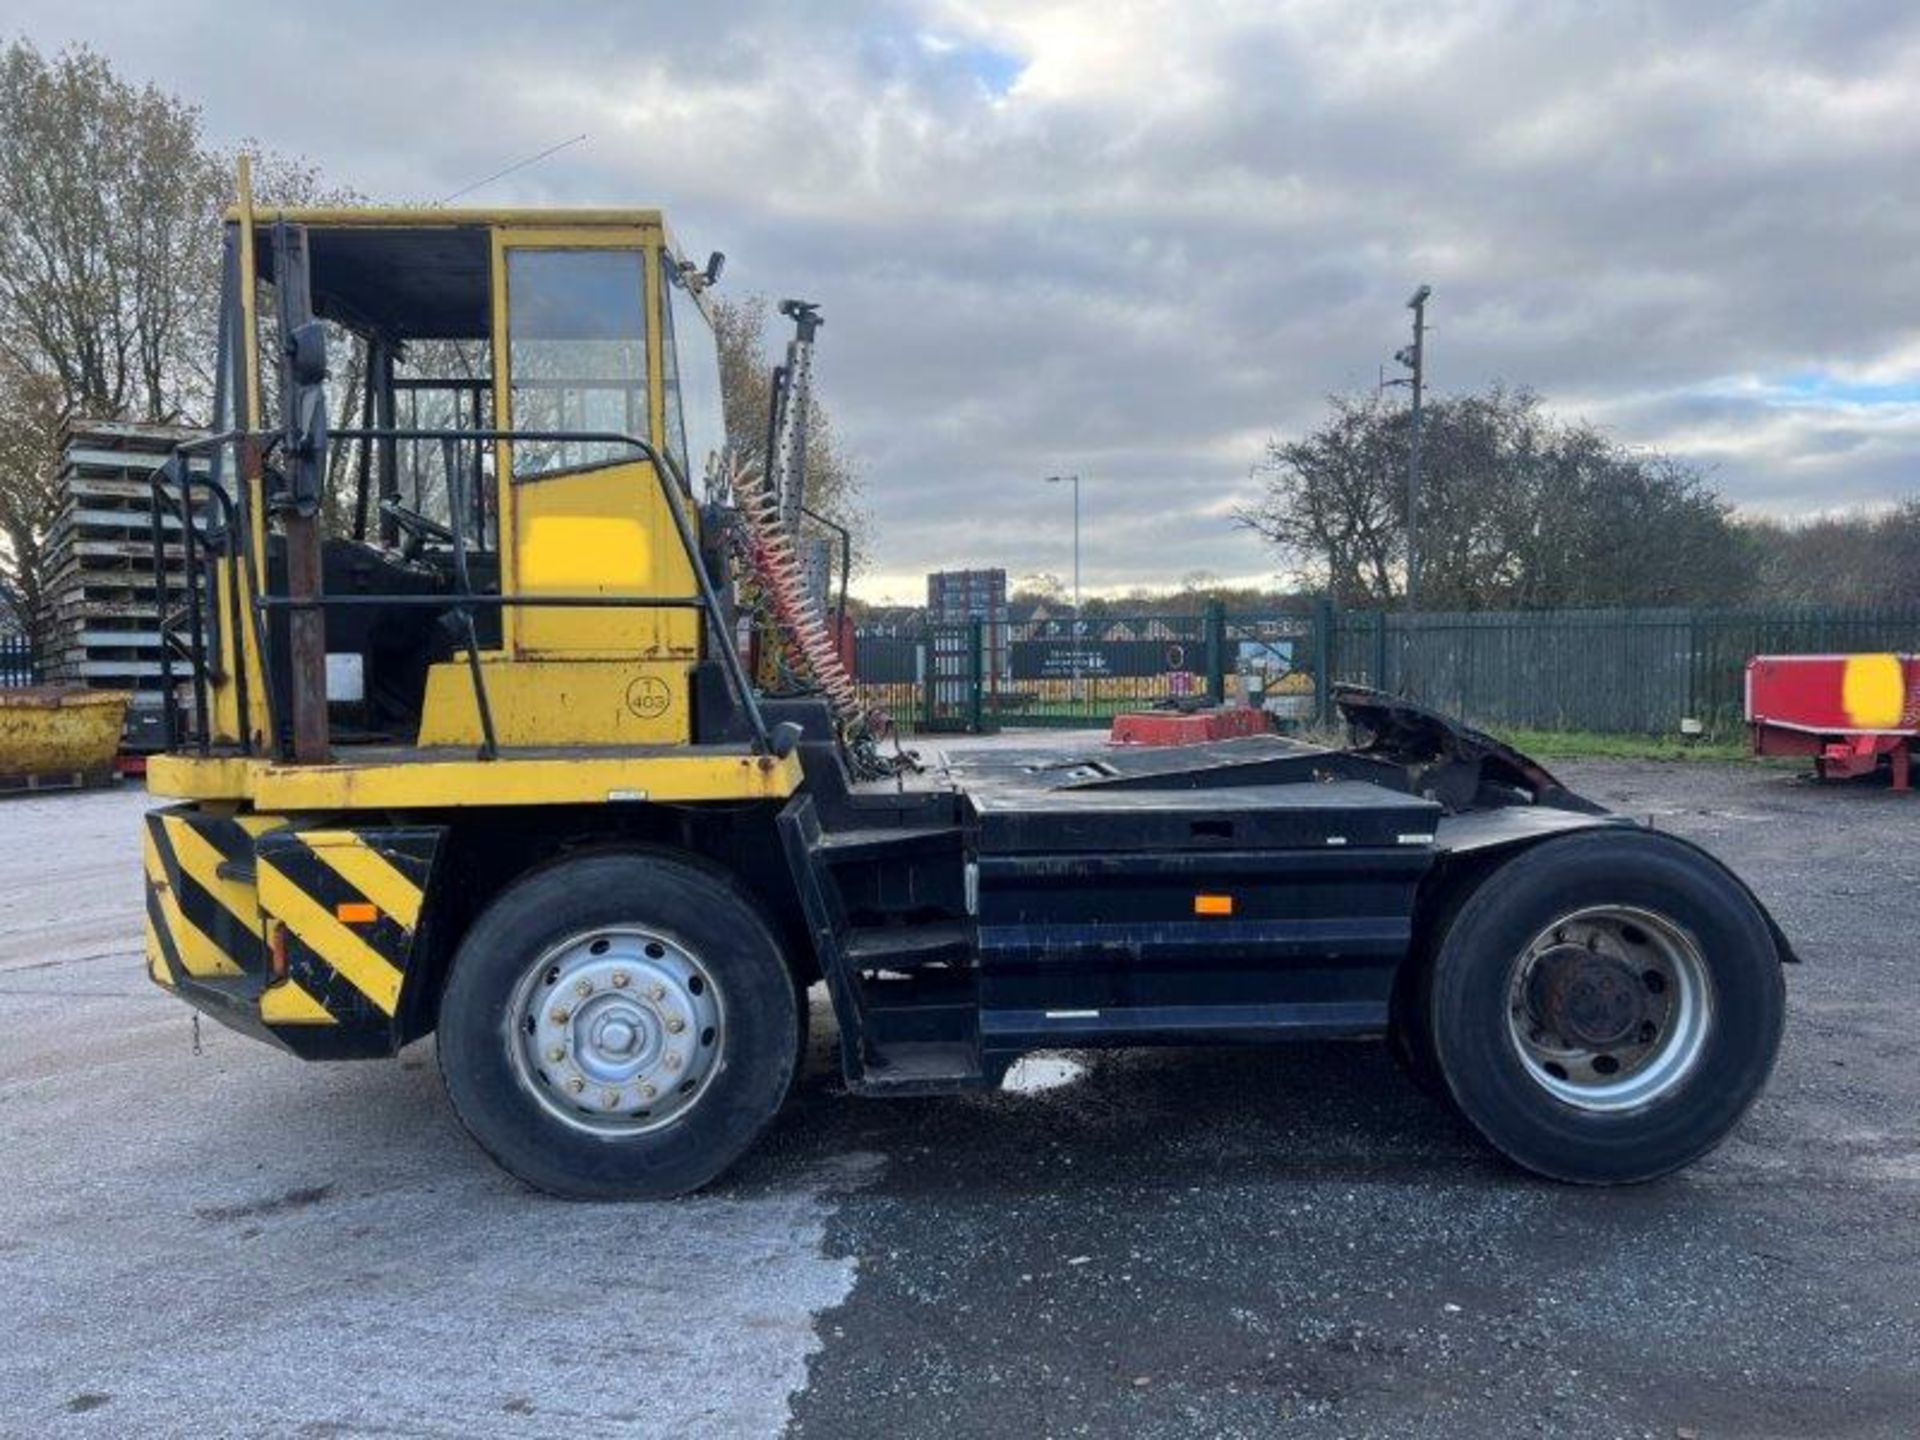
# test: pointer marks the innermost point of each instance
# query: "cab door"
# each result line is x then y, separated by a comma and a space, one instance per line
577, 348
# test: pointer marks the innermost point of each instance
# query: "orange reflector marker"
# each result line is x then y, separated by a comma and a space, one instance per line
1213, 904
356, 912
277, 949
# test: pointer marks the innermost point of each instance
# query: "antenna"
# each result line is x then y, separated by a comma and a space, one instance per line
517, 165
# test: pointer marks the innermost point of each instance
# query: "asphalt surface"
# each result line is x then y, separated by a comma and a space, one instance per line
1155, 1243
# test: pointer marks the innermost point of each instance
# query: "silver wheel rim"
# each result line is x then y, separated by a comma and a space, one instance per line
616, 1030
1609, 1008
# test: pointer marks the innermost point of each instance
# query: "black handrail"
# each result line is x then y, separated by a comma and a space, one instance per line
846, 564
157, 481
456, 512
672, 481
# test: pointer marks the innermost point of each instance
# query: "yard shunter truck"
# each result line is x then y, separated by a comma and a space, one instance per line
480, 756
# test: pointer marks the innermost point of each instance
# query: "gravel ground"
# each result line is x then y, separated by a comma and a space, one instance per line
1157, 1243
1236, 1242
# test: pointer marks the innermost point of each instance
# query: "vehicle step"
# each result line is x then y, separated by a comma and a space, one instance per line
906, 947
869, 842
931, 1067
932, 988
927, 1006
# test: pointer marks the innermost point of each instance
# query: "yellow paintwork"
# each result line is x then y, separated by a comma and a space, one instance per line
369, 872
1873, 690
250, 491
156, 958
198, 953
49, 730
603, 531
426, 779
288, 1004
363, 967
603, 693
423, 218
203, 865
560, 702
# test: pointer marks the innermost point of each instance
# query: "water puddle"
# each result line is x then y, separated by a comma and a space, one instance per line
1031, 1074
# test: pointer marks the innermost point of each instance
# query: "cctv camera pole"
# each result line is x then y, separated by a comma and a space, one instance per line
1415, 359
1074, 480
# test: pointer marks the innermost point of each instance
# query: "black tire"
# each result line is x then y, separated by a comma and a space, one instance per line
1481, 1058
1410, 1029
1410, 1020
699, 909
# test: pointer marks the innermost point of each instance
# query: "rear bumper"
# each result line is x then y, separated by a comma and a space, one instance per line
293, 934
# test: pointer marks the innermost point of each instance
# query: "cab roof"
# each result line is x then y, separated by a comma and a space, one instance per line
417, 217
417, 272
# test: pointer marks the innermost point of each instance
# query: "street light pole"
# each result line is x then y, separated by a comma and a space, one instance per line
1074, 480
1414, 357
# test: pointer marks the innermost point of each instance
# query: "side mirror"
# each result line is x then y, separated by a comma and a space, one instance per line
307, 353
306, 404
716, 262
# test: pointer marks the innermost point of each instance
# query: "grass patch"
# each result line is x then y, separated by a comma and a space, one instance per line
1588, 745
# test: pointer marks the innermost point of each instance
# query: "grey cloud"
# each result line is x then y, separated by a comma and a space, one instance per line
1622, 206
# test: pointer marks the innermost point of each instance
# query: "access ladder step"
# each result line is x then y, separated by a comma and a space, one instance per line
928, 1067
877, 841
907, 947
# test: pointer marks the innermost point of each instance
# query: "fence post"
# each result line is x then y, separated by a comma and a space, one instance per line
929, 668
1216, 631
976, 675
1323, 622
1380, 649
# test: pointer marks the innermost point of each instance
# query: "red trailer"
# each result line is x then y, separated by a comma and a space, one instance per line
1847, 712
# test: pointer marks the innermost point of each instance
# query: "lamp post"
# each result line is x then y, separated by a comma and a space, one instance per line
1414, 357
1074, 480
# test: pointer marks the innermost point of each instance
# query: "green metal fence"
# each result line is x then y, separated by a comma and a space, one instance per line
17, 665
1612, 671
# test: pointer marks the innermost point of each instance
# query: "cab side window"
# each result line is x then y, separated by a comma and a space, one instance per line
577, 354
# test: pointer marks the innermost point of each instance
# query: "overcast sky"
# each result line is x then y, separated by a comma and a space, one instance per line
1134, 240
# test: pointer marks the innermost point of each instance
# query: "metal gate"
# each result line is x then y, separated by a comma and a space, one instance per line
1075, 672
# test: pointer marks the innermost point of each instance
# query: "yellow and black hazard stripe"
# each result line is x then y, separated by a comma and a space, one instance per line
203, 913
347, 907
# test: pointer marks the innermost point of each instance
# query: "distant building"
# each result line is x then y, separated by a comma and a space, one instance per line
956, 596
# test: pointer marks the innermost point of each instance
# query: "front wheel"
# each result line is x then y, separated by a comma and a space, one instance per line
1605, 1007
619, 1026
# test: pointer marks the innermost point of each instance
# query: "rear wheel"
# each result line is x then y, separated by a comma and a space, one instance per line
1604, 1007
619, 1026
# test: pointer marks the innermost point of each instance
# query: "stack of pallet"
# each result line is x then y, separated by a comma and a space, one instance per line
99, 628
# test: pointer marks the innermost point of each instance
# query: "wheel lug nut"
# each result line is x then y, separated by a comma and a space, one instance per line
673, 1060
557, 1054
675, 1024
612, 1098
576, 1084
561, 1015
647, 1092
620, 978
584, 987
658, 992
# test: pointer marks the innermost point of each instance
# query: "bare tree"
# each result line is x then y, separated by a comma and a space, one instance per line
105, 200
1867, 558
1332, 504
110, 212
32, 410
1517, 509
